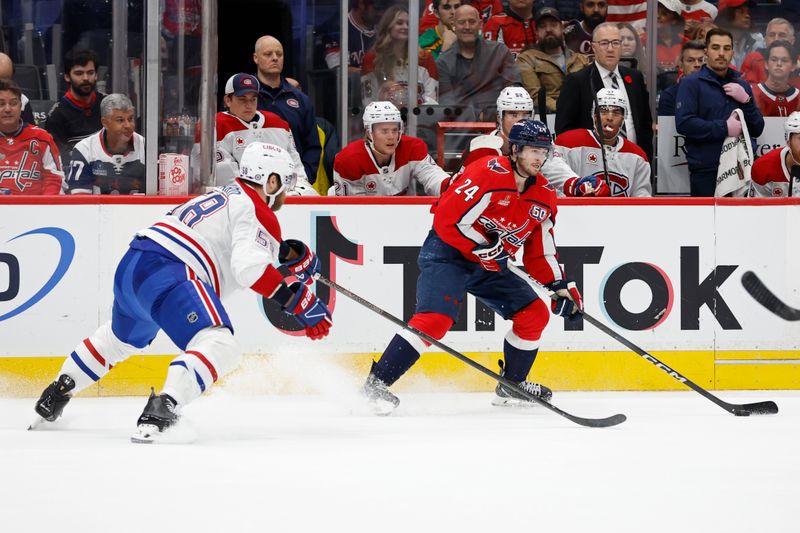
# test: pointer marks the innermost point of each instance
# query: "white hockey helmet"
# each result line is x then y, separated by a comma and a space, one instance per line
792, 124
513, 99
610, 98
260, 160
379, 112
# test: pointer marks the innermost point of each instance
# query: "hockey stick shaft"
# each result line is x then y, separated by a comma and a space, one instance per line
758, 408
756, 288
599, 129
589, 422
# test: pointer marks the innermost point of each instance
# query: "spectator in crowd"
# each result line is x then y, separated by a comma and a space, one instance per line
386, 162
7, 73
473, 70
693, 57
292, 105
384, 74
734, 16
578, 33
776, 174
77, 114
623, 172
578, 91
486, 8
569, 9
514, 28
704, 111
513, 105
29, 161
754, 65
631, 48
546, 63
668, 36
440, 37
696, 12
110, 161
243, 124
775, 97
699, 33
361, 19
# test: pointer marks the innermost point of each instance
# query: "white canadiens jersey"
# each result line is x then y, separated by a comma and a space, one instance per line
234, 134
772, 178
94, 170
228, 237
628, 169
357, 173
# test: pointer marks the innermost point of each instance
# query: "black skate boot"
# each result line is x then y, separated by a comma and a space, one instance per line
508, 397
55, 397
377, 393
159, 414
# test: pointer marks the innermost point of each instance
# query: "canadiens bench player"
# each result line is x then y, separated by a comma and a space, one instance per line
173, 277
497, 205
628, 169
777, 173
386, 162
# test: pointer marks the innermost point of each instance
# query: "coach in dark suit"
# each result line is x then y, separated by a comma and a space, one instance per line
574, 104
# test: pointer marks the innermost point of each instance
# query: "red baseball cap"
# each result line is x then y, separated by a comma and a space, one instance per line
729, 4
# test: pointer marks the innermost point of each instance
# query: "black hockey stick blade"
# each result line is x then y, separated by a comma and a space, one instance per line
758, 408
587, 422
756, 288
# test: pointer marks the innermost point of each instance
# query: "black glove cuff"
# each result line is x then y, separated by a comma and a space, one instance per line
283, 295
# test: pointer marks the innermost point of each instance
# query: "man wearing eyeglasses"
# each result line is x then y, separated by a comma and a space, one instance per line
575, 102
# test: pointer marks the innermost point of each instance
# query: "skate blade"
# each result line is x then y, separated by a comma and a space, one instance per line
178, 434
382, 408
498, 401
36, 423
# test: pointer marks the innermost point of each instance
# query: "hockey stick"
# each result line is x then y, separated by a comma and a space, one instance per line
588, 422
758, 408
753, 285
599, 129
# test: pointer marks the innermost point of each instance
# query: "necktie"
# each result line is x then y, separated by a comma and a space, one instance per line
615, 85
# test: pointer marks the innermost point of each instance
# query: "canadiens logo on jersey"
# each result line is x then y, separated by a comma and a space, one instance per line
495, 166
618, 185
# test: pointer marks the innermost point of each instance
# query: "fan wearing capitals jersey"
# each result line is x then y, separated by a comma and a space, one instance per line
777, 173
173, 278
495, 207
625, 162
386, 162
243, 124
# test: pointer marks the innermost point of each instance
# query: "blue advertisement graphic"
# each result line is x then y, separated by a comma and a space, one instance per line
67, 244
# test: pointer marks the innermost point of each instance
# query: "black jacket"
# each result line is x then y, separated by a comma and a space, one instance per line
69, 124
574, 103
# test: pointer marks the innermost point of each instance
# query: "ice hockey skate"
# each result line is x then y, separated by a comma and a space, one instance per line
159, 415
380, 399
508, 397
53, 400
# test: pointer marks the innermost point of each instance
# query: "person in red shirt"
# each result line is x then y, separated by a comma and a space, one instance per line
486, 8
29, 160
754, 65
497, 205
777, 174
515, 28
775, 97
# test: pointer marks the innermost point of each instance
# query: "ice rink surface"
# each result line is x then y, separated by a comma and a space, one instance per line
443, 462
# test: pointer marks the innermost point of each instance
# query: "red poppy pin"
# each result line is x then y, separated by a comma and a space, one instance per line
628, 79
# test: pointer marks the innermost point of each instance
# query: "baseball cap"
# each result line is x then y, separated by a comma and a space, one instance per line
240, 84
730, 4
676, 6
547, 12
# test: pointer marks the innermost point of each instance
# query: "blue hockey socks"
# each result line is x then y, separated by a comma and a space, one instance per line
398, 357
517, 362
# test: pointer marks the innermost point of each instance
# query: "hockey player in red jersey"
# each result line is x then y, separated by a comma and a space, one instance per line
386, 162
497, 205
173, 278
777, 174
625, 162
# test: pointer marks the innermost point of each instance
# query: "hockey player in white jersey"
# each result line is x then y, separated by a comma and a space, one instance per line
513, 104
243, 124
173, 278
386, 162
625, 162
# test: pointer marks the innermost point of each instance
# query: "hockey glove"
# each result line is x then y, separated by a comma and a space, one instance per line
309, 310
304, 266
492, 256
586, 186
569, 300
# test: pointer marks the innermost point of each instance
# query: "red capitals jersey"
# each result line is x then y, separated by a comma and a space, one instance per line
512, 31
486, 8
776, 104
30, 163
772, 178
484, 201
